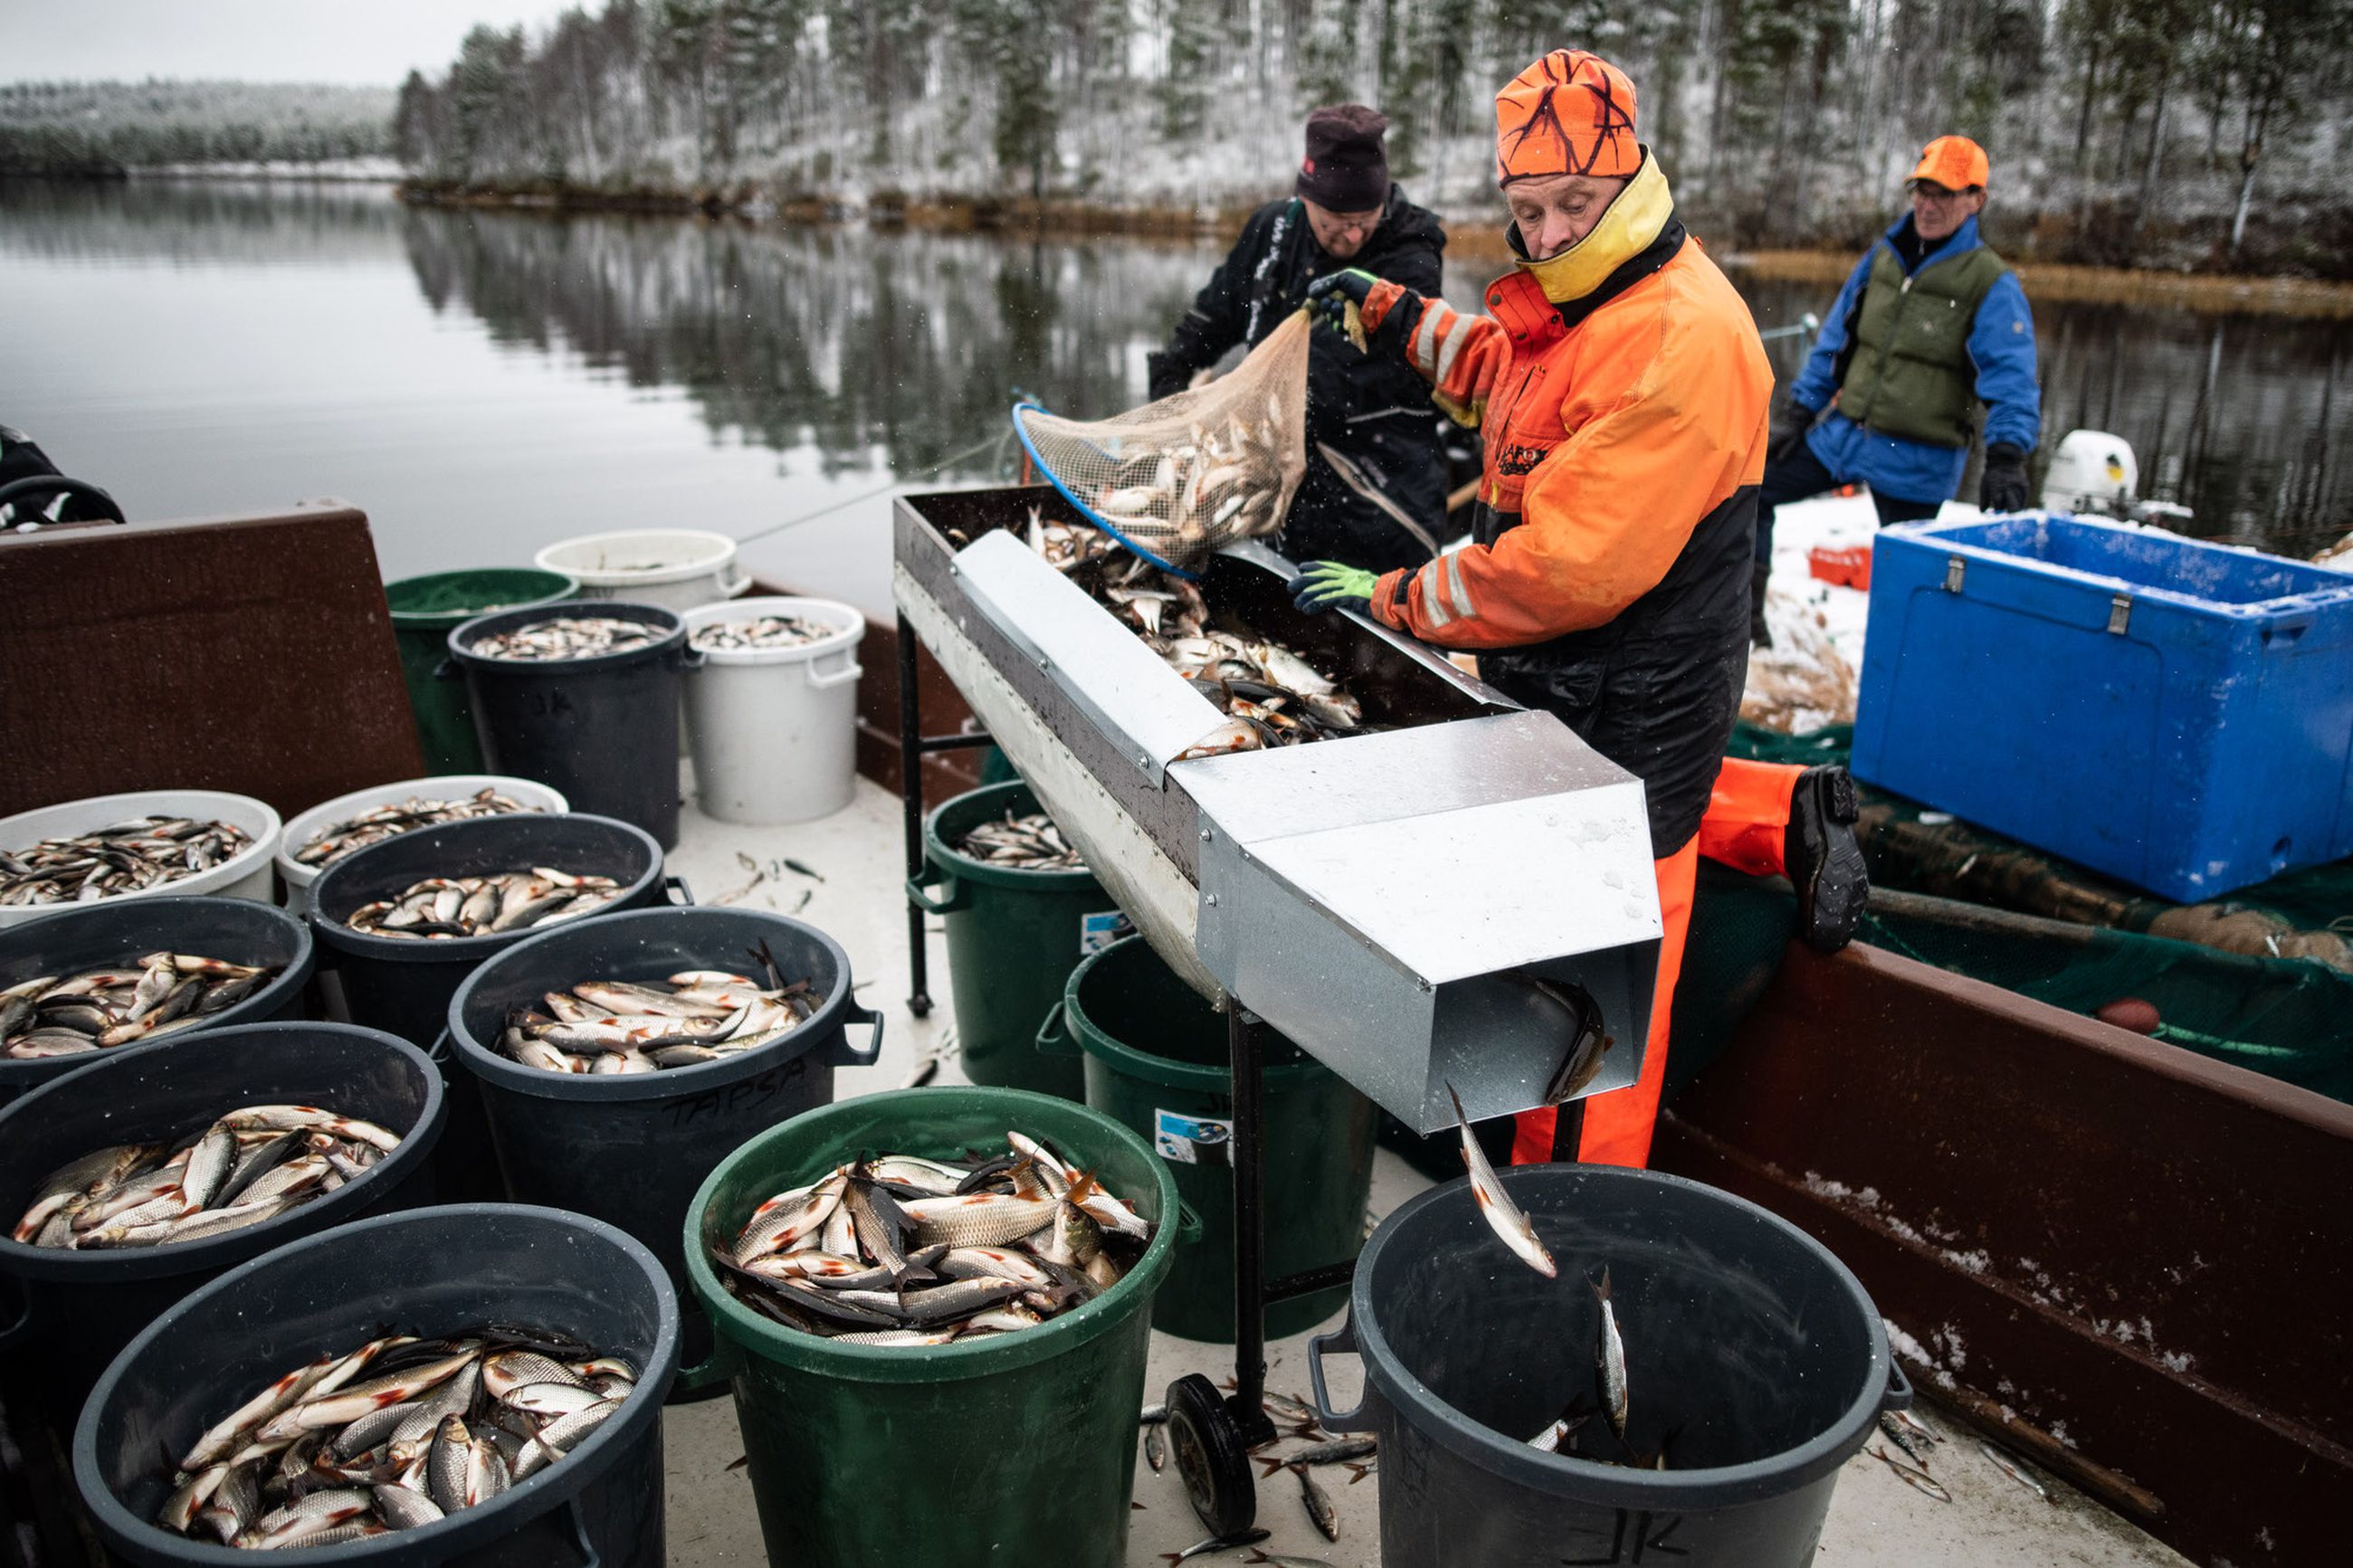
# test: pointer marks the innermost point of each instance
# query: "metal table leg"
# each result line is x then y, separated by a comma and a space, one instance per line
910, 795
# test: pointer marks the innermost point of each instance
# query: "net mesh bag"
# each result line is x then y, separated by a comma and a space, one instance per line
1179, 478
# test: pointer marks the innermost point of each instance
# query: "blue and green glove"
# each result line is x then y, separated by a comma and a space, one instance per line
1333, 586
1332, 294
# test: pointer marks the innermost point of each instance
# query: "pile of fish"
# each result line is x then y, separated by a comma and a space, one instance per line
53, 1015
569, 636
1219, 483
620, 1026
901, 1251
1271, 695
332, 844
1295, 1422
762, 631
141, 853
251, 1164
320, 1456
1029, 843
449, 906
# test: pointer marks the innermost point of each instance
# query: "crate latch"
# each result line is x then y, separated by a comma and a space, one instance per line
1955, 569
2120, 614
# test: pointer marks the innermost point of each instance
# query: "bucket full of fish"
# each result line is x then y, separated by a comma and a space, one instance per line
1158, 1063
186, 842
132, 1181
404, 922
1033, 1349
423, 611
620, 1059
583, 699
772, 707
348, 823
1583, 1363
1021, 909
478, 1384
75, 987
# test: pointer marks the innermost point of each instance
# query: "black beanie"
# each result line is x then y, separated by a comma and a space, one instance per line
1345, 168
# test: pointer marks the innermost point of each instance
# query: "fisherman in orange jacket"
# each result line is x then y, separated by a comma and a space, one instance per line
1624, 395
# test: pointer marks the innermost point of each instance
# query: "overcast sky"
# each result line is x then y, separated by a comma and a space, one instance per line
358, 41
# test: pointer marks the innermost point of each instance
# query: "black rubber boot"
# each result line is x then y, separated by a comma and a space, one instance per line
1823, 860
1759, 634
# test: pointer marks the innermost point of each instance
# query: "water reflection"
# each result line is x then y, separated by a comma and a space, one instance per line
859, 353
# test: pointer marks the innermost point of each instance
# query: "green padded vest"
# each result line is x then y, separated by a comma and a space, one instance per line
1911, 376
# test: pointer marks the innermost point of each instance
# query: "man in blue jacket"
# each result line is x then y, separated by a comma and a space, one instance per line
1930, 325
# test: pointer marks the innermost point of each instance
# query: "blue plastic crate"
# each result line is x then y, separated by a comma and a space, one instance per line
2176, 714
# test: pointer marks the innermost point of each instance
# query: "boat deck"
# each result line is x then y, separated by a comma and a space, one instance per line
1874, 1517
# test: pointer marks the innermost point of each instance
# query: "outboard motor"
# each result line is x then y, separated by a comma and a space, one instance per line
34, 493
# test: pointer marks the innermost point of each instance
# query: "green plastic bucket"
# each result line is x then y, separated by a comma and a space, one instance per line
423, 611
1013, 939
1156, 1061
1009, 1448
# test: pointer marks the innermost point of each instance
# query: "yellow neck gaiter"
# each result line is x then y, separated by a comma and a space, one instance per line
1631, 223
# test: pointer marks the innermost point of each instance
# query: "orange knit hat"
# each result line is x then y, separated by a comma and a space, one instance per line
1570, 113
1954, 162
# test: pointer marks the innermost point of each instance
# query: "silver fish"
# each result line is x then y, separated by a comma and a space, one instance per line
1217, 1543
1610, 1359
1318, 1502
2013, 1469
1918, 1481
1502, 1214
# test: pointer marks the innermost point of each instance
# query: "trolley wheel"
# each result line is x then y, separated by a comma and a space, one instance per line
1211, 1458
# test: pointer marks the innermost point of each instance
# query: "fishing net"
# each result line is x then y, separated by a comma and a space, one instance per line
1179, 478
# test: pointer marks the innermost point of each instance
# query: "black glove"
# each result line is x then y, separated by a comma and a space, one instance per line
1331, 294
1786, 436
2002, 486
1165, 375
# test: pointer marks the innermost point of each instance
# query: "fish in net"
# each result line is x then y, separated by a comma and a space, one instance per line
1179, 479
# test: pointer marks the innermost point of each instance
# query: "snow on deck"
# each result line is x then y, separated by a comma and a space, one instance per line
1874, 1517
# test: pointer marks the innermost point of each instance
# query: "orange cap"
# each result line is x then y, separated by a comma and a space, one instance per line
1954, 162
1570, 113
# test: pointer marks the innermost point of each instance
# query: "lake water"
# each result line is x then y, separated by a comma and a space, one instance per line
484, 384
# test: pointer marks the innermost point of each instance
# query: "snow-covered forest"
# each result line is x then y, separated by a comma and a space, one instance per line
2154, 131
110, 126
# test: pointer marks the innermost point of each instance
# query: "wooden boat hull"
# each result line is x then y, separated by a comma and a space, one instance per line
2131, 1262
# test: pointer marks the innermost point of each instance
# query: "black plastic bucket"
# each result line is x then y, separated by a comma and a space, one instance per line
633, 1150
83, 1306
1752, 1356
404, 985
238, 930
427, 1272
603, 729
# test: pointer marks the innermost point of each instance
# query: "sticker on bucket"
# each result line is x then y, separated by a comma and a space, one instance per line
1097, 931
1190, 1139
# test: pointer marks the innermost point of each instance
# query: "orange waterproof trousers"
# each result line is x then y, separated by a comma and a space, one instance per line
1746, 812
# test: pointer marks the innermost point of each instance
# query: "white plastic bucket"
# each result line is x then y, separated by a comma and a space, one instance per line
774, 730
245, 875
677, 568
309, 825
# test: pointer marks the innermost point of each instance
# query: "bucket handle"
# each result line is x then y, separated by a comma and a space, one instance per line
736, 587
11, 1332
1189, 1229
1342, 1339
440, 1052
1899, 1387
726, 1359
919, 892
446, 670
1054, 1036
849, 1055
821, 680
681, 896
589, 1556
